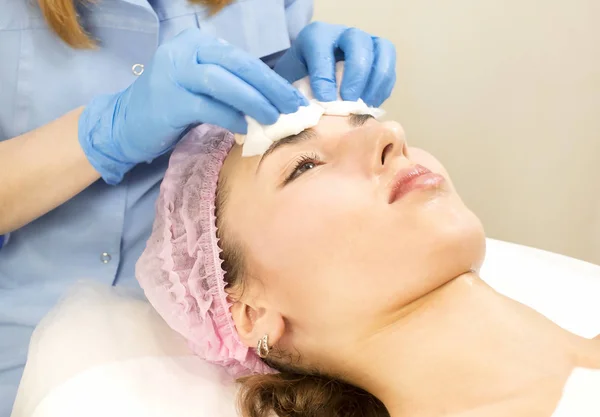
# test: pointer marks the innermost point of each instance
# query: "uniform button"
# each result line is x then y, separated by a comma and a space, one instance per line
105, 258
137, 69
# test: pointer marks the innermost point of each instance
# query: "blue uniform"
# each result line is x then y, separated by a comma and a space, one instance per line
100, 233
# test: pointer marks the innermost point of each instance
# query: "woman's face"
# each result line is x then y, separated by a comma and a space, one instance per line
330, 244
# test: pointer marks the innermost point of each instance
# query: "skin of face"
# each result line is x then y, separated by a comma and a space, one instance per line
328, 261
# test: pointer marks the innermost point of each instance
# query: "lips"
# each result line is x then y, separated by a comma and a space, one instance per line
411, 179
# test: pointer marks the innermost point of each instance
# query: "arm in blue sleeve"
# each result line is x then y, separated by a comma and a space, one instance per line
298, 14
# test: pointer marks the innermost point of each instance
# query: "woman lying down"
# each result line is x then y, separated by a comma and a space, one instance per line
349, 284
337, 274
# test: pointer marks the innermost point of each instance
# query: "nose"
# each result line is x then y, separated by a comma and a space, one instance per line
389, 144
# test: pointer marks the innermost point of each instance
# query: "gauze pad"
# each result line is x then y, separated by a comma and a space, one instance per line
260, 137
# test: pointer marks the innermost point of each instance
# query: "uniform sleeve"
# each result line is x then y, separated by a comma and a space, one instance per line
298, 14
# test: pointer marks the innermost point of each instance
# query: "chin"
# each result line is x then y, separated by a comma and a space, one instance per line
437, 249
461, 242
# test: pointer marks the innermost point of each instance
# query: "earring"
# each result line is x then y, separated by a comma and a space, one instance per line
262, 349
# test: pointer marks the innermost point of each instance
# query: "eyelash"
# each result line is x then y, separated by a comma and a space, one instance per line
300, 162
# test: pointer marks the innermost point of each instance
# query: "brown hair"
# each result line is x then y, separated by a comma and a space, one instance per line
62, 18
294, 392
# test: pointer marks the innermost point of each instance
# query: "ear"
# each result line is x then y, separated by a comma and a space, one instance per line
253, 321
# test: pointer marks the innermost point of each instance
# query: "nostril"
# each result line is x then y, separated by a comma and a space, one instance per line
388, 148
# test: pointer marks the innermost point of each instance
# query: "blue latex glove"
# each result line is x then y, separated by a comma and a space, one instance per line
370, 68
193, 79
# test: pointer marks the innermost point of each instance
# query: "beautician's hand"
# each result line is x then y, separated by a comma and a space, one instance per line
370, 69
194, 78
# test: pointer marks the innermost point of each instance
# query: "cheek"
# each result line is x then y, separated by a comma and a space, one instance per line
309, 220
307, 238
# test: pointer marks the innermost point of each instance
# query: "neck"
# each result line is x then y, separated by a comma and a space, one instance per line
463, 347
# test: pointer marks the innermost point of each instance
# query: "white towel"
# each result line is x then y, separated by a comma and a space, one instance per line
580, 395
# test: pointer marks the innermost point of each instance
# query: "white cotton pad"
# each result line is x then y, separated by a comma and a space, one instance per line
260, 137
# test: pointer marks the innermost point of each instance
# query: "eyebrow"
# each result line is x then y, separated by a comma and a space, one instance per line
290, 140
356, 120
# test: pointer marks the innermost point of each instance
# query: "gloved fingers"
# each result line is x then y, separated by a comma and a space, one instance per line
358, 49
383, 74
220, 84
211, 111
279, 92
317, 46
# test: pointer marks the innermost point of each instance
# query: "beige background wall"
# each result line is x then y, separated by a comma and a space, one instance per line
507, 94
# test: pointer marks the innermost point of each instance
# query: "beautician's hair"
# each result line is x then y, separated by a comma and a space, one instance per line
294, 392
62, 18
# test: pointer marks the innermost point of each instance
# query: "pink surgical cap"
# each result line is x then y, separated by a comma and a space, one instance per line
180, 269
